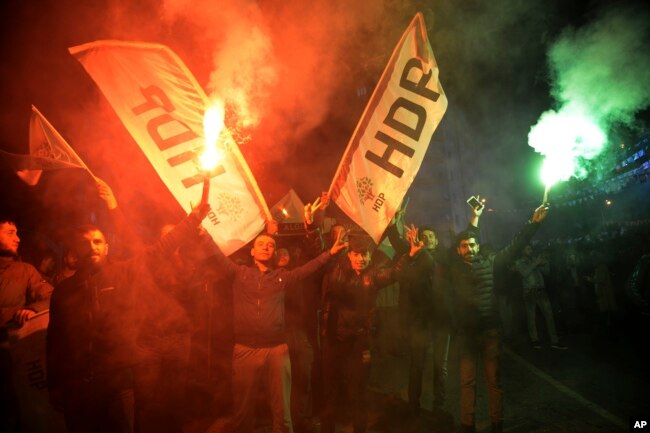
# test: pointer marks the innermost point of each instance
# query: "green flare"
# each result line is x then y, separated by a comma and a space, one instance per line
565, 138
600, 77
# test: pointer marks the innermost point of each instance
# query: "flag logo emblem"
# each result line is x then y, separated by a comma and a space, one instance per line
364, 188
229, 206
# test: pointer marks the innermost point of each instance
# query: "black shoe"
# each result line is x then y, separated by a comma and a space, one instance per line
497, 427
559, 346
536, 345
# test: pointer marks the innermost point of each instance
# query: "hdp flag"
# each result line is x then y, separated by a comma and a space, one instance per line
162, 106
389, 142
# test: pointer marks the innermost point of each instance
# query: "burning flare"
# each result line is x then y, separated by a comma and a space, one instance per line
213, 124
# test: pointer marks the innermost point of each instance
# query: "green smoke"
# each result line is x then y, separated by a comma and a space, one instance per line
601, 77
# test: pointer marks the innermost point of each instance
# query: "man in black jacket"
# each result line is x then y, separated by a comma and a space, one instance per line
472, 278
425, 307
349, 294
95, 322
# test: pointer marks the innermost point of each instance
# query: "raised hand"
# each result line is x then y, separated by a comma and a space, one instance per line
340, 243
106, 193
310, 210
412, 236
478, 210
202, 209
540, 214
272, 227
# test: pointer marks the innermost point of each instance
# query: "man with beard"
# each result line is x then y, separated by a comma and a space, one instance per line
94, 323
425, 314
472, 277
23, 293
68, 269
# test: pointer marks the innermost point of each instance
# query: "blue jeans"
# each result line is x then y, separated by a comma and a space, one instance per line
302, 359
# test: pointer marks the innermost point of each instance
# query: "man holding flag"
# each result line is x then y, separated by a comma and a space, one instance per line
93, 338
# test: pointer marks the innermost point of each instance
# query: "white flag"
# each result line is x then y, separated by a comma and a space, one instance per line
162, 106
48, 150
389, 142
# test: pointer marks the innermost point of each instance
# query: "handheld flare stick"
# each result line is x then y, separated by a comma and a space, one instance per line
546, 190
206, 189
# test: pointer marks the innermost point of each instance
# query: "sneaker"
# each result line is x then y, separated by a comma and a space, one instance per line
559, 346
536, 345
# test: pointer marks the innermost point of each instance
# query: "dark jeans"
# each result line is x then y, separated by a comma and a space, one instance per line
159, 396
8, 399
103, 404
345, 368
419, 338
302, 357
471, 346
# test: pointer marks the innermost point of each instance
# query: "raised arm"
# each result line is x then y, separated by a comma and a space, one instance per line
400, 244
522, 238
314, 241
477, 211
121, 225
313, 265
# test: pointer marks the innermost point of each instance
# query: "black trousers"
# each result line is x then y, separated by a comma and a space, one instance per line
346, 367
101, 404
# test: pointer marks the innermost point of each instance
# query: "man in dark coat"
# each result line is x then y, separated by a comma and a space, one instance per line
95, 323
472, 278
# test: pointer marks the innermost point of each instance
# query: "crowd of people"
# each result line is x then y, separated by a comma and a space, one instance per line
133, 344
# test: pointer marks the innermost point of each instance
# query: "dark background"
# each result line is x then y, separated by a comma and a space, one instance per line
326, 56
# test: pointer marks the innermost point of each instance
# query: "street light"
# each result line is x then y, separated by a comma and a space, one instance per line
608, 204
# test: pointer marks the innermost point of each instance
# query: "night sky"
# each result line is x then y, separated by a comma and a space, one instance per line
305, 62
